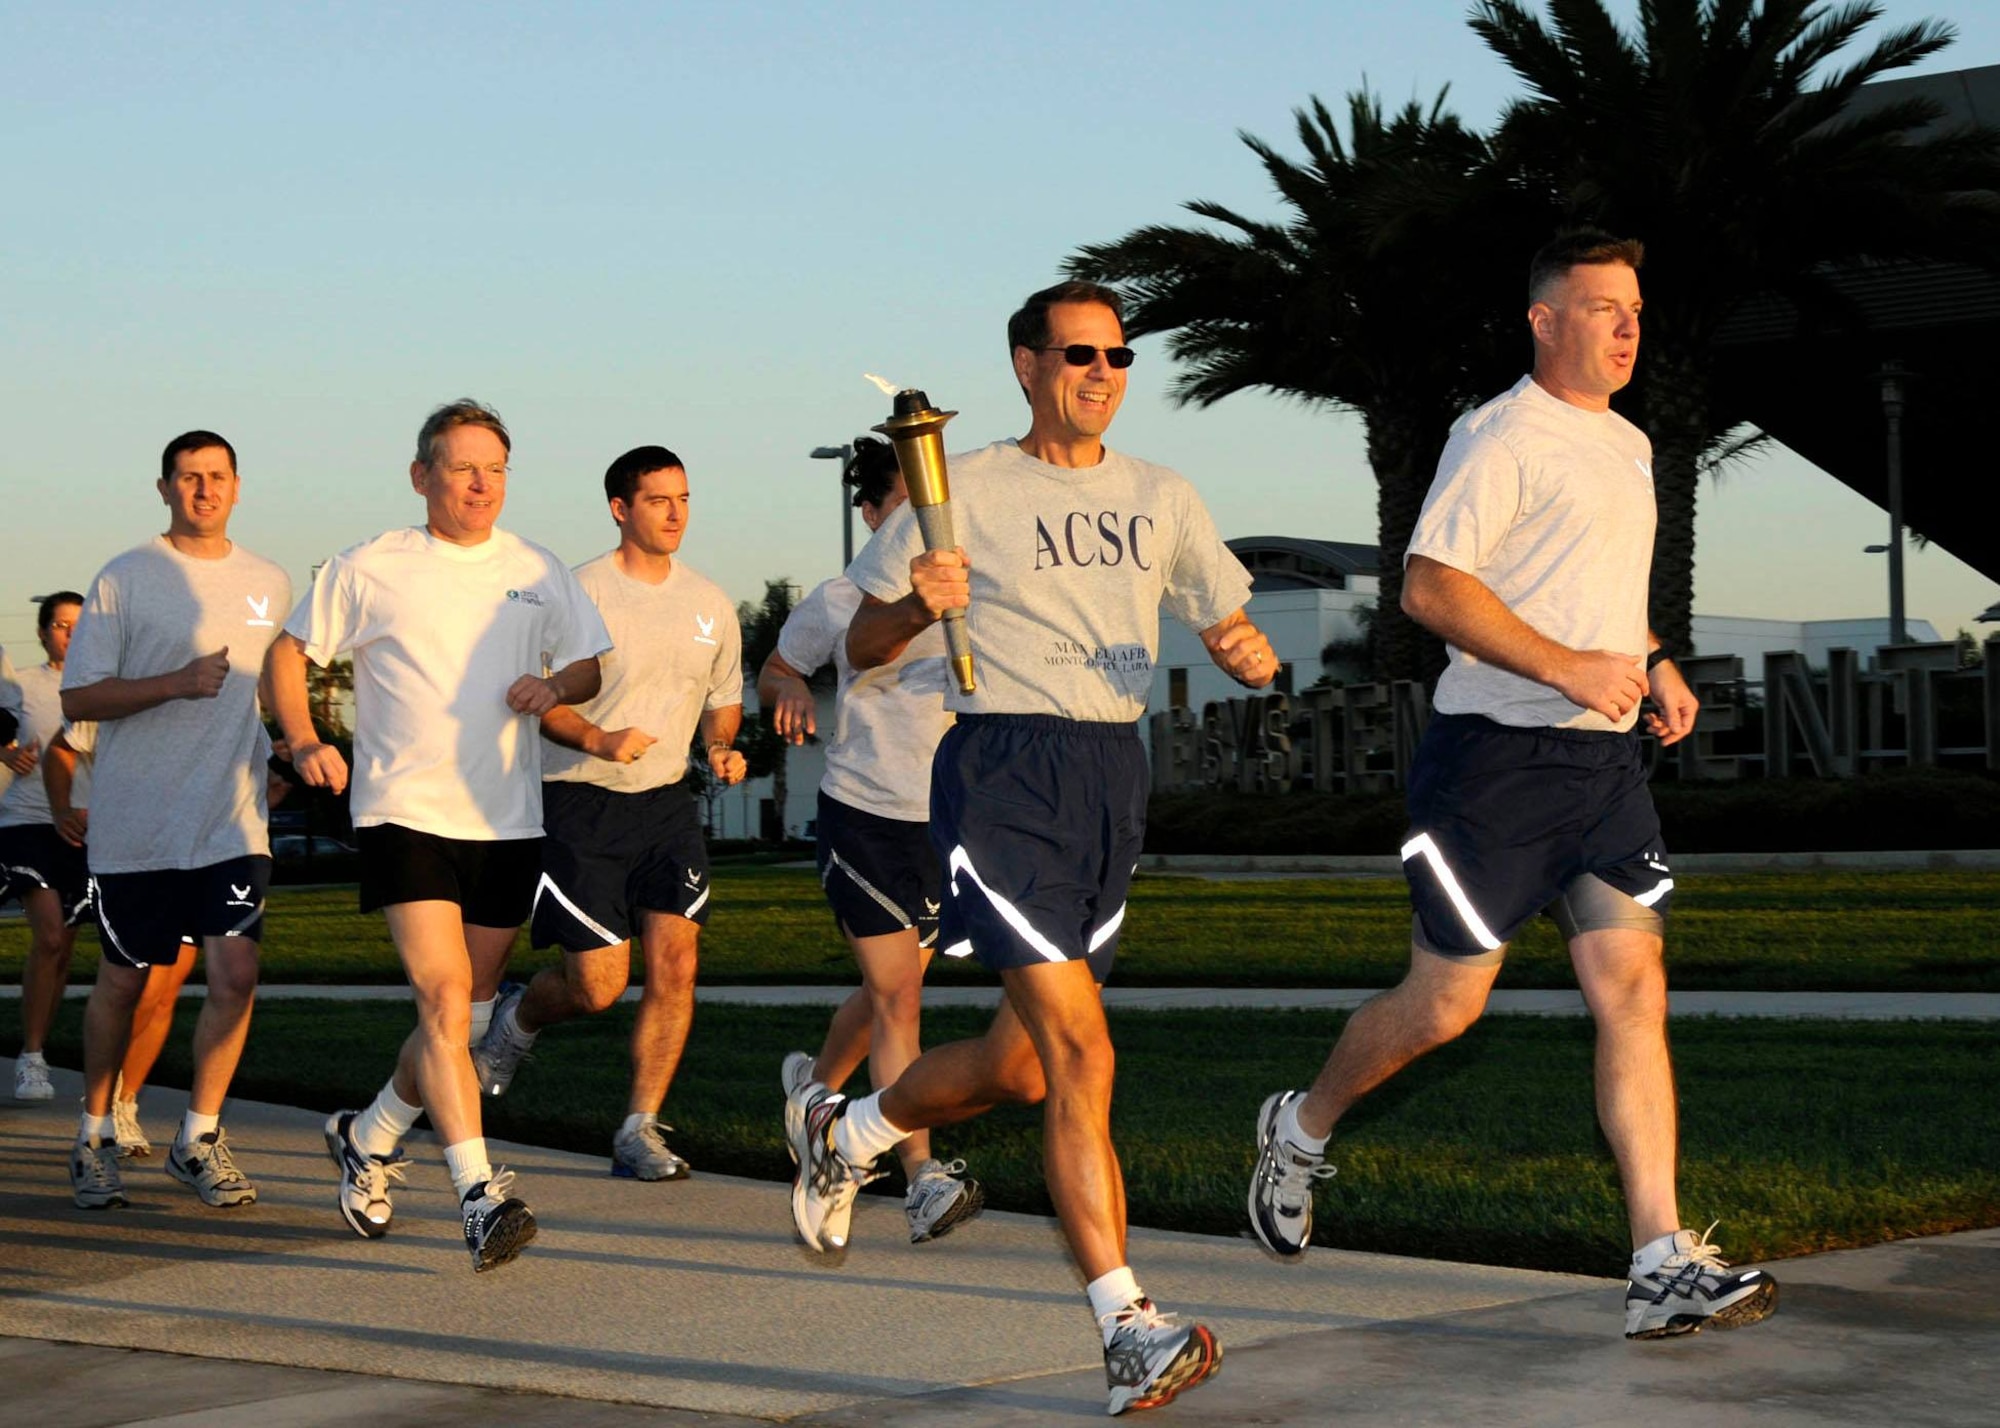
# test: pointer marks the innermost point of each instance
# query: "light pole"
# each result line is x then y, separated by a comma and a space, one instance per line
843, 453
1893, 376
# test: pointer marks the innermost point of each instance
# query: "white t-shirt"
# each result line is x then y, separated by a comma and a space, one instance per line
1551, 508
39, 708
438, 633
179, 785
887, 720
676, 650
1070, 569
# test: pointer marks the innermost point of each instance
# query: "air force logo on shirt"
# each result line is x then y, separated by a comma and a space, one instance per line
260, 612
1645, 469
707, 628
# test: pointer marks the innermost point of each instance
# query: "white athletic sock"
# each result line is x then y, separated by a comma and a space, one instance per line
637, 1119
511, 1028
1289, 1129
482, 1017
194, 1127
1111, 1292
96, 1128
1651, 1255
381, 1128
468, 1165
865, 1133
34, 1056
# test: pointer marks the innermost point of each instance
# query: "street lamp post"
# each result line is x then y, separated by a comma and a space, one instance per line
843, 453
1893, 376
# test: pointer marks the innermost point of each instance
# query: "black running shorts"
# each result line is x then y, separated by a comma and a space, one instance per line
880, 874
1039, 822
142, 917
1504, 821
491, 880
611, 855
34, 855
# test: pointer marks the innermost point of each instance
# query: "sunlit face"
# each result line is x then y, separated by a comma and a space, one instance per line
55, 635
656, 517
201, 493
464, 485
873, 515
1073, 403
1587, 331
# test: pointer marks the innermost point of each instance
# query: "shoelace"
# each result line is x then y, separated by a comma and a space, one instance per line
497, 1185
221, 1163
377, 1172
95, 1172
1294, 1178
1139, 1315
1699, 1255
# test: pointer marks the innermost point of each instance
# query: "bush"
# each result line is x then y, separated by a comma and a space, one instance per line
1917, 808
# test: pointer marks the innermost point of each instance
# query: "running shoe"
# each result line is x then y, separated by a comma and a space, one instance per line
642, 1154
501, 1051
132, 1142
797, 1079
31, 1080
497, 1225
1281, 1187
94, 1178
939, 1200
825, 1183
1151, 1360
1694, 1289
209, 1168
364, 1178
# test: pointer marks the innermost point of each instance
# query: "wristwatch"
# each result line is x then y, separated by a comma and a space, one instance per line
1664, 652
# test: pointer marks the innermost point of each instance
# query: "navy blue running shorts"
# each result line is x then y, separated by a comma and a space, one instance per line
143, 917
1507, 822
1039, 822
491, 879
880, 874
34, 855
610, 855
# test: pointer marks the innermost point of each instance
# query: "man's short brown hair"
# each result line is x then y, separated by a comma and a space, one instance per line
1576, 249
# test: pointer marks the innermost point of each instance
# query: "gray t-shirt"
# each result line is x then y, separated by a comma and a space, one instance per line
887, 720
37, 703
676, 650
1551, 508
1070, 570
180, 785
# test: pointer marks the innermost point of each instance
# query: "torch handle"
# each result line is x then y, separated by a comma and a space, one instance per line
935, 523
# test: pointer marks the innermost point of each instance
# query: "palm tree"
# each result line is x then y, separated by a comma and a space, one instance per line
1391, 289
1718, 132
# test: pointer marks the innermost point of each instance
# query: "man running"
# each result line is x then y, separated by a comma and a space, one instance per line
625, 854
876, 863
1530, 559
450, 625
166, 658
37, 866
1038, 795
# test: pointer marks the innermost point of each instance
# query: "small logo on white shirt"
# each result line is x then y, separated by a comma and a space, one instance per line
241, 896
707, 628
260, 612
525, 597
1645, 468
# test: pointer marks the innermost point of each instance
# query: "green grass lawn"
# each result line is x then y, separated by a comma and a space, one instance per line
1808, 931
1798, 1136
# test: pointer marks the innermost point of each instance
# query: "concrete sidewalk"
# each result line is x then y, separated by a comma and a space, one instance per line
690, 1303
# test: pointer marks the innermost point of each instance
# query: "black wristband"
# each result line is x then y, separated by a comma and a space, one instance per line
1664, 652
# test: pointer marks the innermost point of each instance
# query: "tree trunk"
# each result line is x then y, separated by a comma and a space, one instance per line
1404, 455
1675, 416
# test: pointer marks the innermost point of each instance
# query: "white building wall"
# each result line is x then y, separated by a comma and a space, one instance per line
1750, 639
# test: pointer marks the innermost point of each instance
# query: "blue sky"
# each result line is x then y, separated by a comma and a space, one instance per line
694, 224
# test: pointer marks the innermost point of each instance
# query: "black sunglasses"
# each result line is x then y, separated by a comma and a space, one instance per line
1082, 354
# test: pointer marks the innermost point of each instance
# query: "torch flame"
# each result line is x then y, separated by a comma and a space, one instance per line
889, 388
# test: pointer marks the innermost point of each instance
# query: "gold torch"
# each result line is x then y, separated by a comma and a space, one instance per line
916, 430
